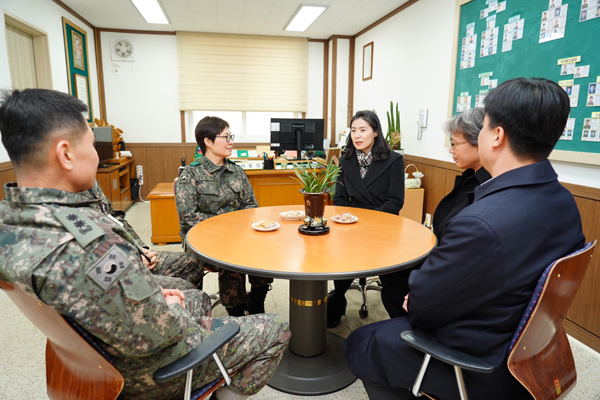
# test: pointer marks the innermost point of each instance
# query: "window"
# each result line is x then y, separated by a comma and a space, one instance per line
247, 126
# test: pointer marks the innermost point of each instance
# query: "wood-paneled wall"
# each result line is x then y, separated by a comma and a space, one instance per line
583, 319
7, 174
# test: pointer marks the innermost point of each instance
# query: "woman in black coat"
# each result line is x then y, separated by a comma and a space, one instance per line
371, 177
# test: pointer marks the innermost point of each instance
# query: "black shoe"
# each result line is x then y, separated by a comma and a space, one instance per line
335, 309
256, 299
237, 311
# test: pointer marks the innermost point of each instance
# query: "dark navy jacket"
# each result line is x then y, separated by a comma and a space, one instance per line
472, 290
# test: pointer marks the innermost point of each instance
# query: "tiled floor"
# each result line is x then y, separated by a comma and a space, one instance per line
22, 368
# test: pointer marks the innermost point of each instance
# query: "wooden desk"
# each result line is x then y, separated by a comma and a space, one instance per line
165, 222
378, 243
275, 187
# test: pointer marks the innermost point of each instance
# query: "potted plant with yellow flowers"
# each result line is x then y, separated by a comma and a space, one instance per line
316, 183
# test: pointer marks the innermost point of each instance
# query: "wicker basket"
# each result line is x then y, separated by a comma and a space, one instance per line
412, 183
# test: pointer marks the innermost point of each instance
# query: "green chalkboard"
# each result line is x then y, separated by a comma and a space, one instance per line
530, 58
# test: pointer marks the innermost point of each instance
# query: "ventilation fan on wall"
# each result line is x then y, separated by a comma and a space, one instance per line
122, 49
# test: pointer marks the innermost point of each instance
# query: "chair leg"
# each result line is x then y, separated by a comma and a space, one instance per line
461, 383
364, 309
222, 369
417, 386
188, 385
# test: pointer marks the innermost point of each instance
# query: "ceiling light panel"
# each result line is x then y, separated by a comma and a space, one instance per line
151, 11
304, 17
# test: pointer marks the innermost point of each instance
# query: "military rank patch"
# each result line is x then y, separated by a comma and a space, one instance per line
110, 267
80, 226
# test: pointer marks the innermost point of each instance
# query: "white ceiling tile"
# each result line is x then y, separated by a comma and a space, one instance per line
343, 17
175, 11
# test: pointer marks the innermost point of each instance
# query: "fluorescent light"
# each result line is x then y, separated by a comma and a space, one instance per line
305, 16
151, 11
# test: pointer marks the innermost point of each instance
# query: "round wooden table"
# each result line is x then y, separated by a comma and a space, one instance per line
377, 243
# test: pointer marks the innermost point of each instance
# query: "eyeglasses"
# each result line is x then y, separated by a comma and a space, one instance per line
228, 138
454, 144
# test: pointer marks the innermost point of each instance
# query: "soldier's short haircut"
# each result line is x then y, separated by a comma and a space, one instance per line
29, 117
209, 127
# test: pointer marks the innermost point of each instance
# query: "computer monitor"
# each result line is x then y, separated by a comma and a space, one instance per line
103, 143
296, 134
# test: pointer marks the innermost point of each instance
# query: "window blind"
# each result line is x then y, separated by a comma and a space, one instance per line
224, 72
21, 59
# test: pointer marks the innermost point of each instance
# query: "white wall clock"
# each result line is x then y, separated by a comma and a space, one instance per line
122, 49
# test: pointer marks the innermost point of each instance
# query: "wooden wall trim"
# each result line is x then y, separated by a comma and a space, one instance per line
326, 86
318, 40
182, 115
430, 161
5, 166
333, 91
192, 145
586, 192
66, 7
137, 31
351, 82
100, 73
385, 18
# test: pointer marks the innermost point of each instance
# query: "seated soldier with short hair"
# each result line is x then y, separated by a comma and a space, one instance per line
58, 248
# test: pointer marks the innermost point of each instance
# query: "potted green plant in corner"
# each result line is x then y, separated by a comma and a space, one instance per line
393, 136
316, 183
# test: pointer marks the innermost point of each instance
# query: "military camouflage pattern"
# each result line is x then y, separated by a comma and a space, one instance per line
128, 314
174, 264
205, 190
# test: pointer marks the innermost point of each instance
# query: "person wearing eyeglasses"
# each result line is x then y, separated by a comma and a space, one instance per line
214, 185
463, 130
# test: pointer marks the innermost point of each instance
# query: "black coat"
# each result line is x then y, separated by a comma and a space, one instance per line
458, 198
474, 287
382, 188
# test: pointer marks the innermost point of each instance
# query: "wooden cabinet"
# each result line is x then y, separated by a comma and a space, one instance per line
163, 214
115, 182
413, 204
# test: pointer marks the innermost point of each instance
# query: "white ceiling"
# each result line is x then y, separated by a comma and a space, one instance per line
253, 17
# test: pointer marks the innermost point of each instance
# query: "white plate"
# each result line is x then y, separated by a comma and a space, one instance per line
285, 216
274, 226
336, 218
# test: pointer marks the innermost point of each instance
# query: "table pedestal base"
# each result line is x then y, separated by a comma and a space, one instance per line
314, 376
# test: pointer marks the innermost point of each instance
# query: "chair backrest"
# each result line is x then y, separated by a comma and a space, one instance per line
541, 358
74, 370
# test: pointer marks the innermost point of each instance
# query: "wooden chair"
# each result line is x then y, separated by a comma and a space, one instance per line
78, 369
540, 356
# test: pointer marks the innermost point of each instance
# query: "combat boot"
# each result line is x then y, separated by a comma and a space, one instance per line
237, 311
256, 299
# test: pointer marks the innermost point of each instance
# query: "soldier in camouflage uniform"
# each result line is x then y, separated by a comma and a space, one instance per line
164, 263
214, 185
60, 249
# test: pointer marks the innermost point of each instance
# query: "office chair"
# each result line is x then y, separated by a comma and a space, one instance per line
540, 356
77, 368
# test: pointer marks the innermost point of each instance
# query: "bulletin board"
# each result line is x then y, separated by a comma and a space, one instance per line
535, 50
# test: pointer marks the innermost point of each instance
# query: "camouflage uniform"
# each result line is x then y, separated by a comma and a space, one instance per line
169, 264
55, 246
205, 190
